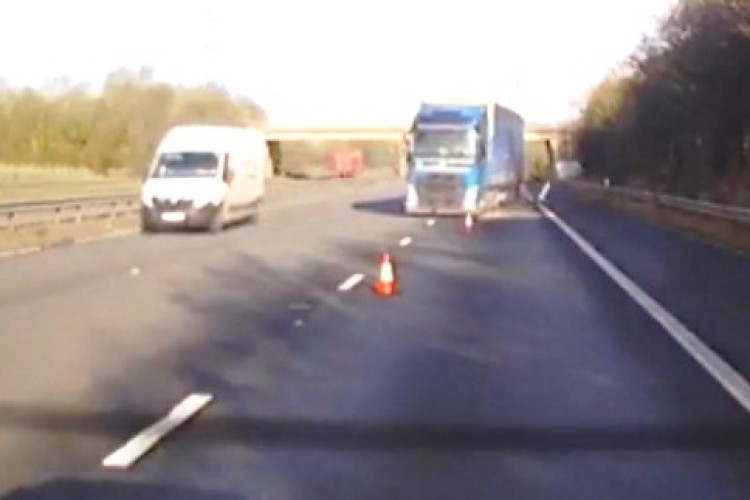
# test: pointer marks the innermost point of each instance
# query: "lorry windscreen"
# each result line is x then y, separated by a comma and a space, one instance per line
187, 165
443, 144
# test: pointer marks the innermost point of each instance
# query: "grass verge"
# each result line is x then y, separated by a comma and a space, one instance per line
20, 183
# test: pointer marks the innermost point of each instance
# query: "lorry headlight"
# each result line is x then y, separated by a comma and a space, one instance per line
411, 197
470, 198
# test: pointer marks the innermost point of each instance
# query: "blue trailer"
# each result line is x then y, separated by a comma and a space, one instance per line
463, 158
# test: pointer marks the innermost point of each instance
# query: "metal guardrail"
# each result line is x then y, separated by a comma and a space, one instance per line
725, 212
69, 211
14, 216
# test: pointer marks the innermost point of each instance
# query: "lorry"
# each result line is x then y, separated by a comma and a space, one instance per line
205, 176
463, 158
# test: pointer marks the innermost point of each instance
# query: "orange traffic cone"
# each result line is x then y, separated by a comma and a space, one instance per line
385, 285
468, 223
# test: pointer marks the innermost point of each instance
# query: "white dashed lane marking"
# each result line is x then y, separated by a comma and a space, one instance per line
132, 451
350, 282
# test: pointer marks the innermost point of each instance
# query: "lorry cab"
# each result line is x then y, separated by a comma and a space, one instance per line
446, 158
204, 176
444, 162
462, 158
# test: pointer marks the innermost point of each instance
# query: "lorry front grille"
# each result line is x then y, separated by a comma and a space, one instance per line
440, 190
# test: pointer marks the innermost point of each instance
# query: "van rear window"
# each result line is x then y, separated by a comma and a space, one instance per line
192, 164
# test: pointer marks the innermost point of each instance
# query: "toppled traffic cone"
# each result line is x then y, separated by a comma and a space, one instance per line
468, 223
385, 285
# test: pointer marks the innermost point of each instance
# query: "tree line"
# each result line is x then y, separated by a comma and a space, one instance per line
677, 116
117, 128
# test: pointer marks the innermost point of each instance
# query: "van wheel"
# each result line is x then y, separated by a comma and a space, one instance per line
216, 225
147, 225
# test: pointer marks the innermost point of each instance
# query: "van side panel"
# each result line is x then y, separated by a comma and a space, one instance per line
248, 163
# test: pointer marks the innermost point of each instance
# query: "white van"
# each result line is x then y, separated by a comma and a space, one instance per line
205, 176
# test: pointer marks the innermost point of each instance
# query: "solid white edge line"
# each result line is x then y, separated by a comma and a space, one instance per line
405, 241
719, 369
125, 456
544, 192
351, 282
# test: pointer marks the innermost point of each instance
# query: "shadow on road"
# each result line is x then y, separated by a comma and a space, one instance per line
392, 436
81, 489
392, 207
246, 222
249, 351
296, 366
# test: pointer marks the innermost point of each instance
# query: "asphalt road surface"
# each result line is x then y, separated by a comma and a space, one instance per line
509, 365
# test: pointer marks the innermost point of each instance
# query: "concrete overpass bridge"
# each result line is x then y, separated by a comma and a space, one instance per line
554, 137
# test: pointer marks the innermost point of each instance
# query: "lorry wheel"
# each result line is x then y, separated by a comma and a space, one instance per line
216, 225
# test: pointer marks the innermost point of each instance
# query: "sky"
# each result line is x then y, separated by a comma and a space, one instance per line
337, 62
